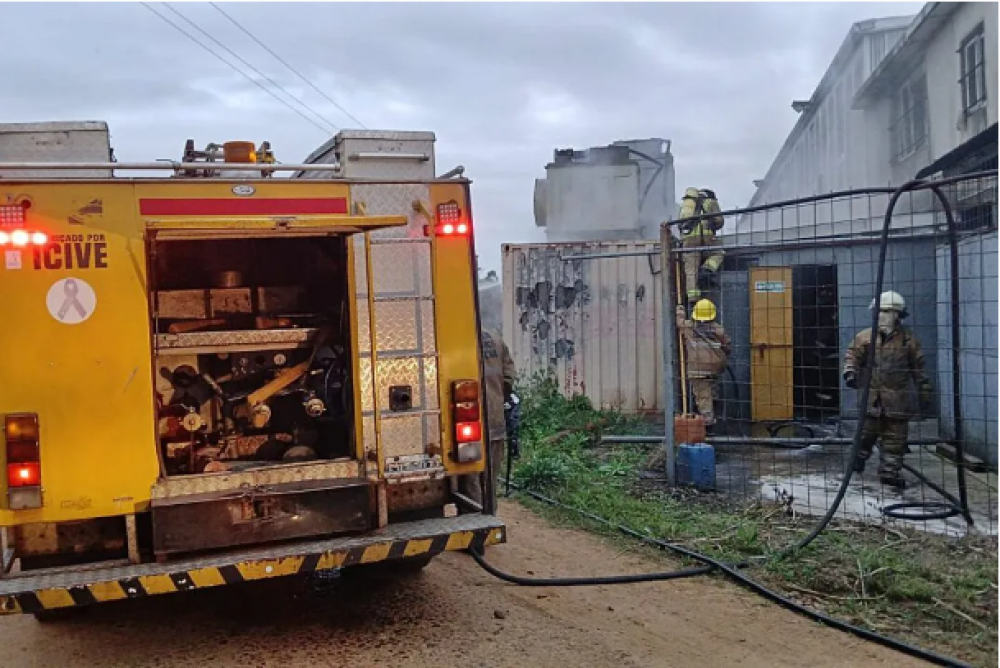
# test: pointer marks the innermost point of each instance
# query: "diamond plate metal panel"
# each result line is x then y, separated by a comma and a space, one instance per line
366, 384
399, 371
277, 474
360, 264
427, 327
402, 268
364, 326
368, 433
432, 429
397, 326
394, 200
402, 436
430, 398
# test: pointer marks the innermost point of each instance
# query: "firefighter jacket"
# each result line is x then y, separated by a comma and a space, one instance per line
898, 359
706, 347
498, 370
698, 202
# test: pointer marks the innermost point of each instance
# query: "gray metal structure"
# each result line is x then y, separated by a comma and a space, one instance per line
618, 192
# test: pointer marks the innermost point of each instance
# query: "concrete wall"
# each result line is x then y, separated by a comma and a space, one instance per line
592, 324
978, 342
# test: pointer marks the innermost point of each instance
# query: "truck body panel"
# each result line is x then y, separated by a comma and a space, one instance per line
174, 337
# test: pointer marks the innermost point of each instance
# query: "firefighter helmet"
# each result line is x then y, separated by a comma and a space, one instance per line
704, 311
890, 301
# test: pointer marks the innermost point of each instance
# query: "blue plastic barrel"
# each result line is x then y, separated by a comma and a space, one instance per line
696, 465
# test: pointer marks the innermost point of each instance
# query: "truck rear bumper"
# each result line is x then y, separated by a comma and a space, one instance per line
36, 593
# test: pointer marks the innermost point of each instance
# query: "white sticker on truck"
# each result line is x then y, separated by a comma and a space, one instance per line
12, 259
71, 300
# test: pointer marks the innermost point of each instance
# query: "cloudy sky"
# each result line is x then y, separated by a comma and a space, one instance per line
502, 85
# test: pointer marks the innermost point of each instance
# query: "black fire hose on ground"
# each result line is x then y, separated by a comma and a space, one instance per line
711, 565
731, 569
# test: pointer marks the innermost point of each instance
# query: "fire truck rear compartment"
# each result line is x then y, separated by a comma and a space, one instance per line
255, 412
253, 350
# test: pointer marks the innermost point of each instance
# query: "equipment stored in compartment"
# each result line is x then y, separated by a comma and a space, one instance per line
227, 400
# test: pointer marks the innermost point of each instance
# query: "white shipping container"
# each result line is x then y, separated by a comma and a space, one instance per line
590, 322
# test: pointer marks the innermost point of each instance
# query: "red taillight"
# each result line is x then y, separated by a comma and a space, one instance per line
24, 475
24, 468
450, 221
39, 238
20, 238
465, 417
467, 412
467, 432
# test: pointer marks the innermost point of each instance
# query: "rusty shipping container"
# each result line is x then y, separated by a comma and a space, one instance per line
587, 314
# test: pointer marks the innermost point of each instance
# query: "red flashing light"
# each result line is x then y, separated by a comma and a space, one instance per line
24, 475
21, 238
468, 432
450, 220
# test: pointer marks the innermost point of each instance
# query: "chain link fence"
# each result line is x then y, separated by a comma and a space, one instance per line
793, 296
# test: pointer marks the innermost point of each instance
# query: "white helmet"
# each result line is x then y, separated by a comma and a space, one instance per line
890, 301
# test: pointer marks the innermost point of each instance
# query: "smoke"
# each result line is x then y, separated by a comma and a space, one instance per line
491, 305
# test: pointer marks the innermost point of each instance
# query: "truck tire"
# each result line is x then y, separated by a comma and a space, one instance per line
387, 570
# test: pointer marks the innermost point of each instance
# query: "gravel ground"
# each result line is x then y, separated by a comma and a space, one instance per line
451, 614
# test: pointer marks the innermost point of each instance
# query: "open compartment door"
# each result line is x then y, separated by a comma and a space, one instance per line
219, 228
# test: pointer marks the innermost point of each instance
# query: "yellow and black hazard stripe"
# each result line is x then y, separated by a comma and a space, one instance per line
169, 581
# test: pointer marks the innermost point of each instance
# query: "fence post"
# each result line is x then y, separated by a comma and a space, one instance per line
667, 326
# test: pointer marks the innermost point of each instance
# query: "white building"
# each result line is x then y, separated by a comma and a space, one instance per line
828, 149
935, 95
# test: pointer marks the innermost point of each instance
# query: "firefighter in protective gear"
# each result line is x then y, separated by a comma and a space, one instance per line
706, 350
898, 362
700, 267
499, 376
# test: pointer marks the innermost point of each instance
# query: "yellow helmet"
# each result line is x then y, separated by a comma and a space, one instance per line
704, 311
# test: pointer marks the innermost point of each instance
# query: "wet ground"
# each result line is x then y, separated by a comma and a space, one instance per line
808, 479
451, 614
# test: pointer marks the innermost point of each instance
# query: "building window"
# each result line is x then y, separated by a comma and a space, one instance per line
909, 127
973, 67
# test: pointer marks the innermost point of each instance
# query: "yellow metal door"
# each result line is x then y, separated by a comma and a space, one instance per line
771, 342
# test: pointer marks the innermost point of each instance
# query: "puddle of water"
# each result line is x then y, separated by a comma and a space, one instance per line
813, 494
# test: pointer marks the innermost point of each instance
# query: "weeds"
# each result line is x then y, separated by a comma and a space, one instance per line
933, 591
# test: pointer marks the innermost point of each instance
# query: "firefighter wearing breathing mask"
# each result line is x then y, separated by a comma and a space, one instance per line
700, 267
898, 362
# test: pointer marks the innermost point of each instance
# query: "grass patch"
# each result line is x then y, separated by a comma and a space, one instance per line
933, 591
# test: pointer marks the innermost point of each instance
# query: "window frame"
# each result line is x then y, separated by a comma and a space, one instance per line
906, 101
974, 72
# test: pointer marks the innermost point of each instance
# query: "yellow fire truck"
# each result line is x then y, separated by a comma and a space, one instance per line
227, 375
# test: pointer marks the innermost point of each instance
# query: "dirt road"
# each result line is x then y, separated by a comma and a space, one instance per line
451, 614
